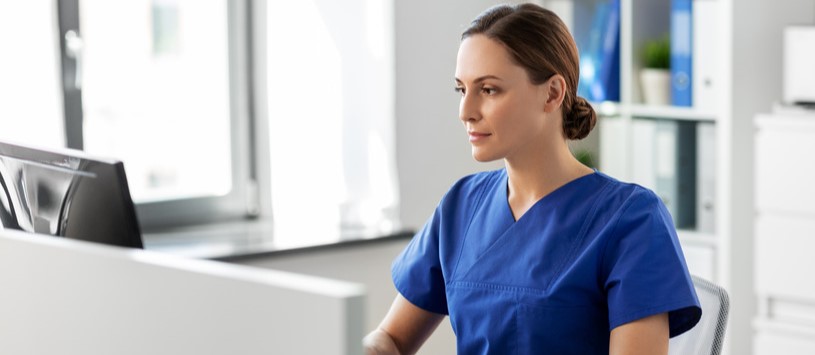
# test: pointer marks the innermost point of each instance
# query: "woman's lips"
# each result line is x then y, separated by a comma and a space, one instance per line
477, 136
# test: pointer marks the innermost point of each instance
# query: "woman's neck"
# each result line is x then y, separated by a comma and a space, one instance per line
533, 176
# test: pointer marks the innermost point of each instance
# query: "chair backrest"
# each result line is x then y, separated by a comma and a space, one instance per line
707, 336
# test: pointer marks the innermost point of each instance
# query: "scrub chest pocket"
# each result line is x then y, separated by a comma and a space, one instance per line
506, 319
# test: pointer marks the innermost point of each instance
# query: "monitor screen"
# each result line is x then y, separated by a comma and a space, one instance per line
66, 193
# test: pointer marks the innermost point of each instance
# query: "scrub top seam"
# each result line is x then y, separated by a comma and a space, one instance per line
666, 307
580, 236
478, 206
495, 287
629, 201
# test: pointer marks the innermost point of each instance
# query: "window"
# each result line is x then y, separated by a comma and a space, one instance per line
30, 96
161, 88
157, 71
208, 102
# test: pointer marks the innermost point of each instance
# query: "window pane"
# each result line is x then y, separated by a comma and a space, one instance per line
30, 94
156, 93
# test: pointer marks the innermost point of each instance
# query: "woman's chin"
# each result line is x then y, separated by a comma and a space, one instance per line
483, 157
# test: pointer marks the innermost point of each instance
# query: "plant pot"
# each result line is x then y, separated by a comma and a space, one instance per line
656, 86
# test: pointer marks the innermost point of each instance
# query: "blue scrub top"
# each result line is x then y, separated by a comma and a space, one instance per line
592, 255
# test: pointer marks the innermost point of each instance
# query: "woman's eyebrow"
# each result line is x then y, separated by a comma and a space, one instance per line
481, 78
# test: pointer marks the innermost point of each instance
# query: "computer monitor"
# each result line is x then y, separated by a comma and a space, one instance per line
66, 193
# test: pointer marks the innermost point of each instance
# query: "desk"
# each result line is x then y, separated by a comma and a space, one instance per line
256, 238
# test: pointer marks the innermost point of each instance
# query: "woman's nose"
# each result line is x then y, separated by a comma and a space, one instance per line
468, 108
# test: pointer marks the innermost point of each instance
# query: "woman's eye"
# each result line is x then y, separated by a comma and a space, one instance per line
489, 91
459, 90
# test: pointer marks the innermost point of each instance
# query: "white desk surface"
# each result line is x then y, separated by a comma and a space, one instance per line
250, 238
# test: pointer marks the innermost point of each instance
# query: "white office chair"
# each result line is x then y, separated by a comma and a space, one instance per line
707, 336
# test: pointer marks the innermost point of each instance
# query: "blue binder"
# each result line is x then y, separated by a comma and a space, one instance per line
600, 55
681, 52
609, 75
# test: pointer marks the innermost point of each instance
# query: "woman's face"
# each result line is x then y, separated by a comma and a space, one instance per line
502, 110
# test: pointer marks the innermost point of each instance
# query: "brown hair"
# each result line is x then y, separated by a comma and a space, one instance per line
539, 41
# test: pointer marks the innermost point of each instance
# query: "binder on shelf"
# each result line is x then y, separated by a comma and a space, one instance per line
705, 46
675, 149
588, 47
643, 133
706, 177
664, 154
681, 52
600, 55
609, 75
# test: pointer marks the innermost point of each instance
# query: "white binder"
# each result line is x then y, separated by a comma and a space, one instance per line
706, 60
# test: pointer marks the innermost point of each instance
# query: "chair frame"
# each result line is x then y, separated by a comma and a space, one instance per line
721, 318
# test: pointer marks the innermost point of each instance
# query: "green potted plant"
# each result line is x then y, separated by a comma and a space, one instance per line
655, 75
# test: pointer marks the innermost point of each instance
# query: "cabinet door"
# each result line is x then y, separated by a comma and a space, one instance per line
784, 173
767, 343
784, 260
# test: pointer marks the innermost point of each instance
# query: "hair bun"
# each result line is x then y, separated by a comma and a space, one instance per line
580, 120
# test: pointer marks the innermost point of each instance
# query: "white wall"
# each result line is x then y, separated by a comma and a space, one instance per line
431, 144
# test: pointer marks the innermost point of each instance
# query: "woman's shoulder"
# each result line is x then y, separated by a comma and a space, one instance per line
625, 194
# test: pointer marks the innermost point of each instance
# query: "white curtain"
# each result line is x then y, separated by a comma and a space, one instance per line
331, 116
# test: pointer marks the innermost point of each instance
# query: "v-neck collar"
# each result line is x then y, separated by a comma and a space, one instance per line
505, 194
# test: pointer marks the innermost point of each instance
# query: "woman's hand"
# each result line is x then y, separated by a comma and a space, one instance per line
403, 331
379, 343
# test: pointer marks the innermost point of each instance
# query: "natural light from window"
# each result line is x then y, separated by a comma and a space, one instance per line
30, 93
330, 107
156, 93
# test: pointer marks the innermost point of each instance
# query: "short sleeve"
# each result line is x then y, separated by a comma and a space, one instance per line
417, 272
646, 269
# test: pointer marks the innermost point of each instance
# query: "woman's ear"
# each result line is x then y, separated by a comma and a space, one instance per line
555, 92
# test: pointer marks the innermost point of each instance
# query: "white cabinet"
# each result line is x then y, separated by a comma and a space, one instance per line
785, 234
783, 144
784, 340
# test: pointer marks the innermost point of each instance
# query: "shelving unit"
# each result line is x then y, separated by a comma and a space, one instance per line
697, 238
641, 21
671, 113
747, 80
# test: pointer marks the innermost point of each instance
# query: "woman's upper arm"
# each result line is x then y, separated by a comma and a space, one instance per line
648, 335
408, 325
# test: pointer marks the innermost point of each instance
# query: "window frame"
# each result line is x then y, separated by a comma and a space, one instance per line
243, 200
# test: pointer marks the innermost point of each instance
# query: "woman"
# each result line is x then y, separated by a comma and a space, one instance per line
546, 255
